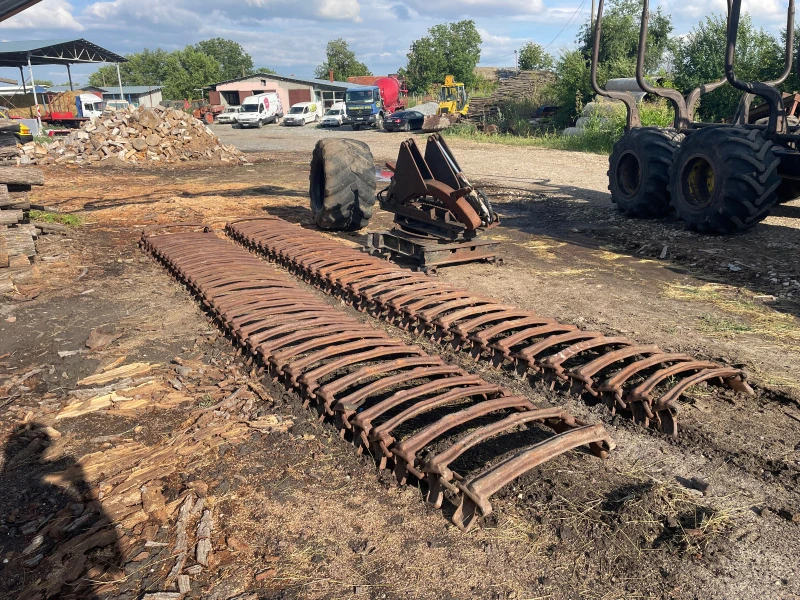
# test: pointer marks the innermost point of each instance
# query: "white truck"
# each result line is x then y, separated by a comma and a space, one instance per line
335, 116
260, 109
302, 113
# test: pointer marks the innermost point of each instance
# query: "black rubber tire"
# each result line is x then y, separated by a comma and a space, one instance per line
407, 127
355, 127
788, 190
724, 179
342, 184
638, 171
379, 121
260, 124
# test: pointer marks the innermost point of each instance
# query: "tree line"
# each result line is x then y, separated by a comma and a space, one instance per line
181, 73
682, 62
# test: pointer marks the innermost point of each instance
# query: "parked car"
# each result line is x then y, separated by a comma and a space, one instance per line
335, 116
302, 113
404, 120
228, 115
260, 109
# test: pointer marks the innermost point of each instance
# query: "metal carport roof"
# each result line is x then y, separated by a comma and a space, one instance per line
54, 52
8, 8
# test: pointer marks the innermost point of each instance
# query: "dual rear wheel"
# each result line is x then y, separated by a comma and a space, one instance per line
717, 179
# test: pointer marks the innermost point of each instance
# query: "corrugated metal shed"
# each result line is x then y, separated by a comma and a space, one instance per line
8, 8
54, 52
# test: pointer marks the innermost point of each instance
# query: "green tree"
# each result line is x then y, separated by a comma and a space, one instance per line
619, 43
619, 39
342, 61
699, 58
265, 70
104, 76
181, 73
533, 57
44, 82
448, 49
234, 61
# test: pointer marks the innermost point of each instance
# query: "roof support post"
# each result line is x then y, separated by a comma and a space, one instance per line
35, 99
119, 80
22, 77
69, 74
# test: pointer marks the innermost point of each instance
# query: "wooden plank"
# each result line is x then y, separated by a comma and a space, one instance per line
21, 175
50, 227
3, 193
11, 217
16, 199
18, 242
3, 248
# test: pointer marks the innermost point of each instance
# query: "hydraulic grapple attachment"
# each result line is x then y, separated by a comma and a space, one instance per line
438, 213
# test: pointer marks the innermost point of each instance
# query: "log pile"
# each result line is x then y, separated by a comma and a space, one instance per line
134, 136
17, 232
524, 85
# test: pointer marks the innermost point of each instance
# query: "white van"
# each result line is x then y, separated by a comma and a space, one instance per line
335, 116
302, 113
259, 110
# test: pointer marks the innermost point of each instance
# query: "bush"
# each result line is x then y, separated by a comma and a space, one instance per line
599, 135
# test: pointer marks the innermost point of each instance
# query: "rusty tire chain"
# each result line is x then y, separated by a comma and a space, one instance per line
376, 389
640, 381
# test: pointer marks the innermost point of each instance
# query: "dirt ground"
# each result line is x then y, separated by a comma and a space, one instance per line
159, 447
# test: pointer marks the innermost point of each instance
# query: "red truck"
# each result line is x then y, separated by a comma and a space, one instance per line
368, 105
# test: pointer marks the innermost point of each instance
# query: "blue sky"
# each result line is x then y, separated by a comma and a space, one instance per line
290, 36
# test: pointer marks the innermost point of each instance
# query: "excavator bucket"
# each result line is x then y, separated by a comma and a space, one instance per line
433, 123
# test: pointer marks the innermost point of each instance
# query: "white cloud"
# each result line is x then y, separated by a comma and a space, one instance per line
197, 13
474, 8
49, 14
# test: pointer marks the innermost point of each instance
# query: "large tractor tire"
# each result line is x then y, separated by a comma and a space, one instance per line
724, 179
638, 171
789, 190
342, 184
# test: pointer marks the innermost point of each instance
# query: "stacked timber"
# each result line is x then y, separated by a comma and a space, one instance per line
526, 84
17, 234
134, 136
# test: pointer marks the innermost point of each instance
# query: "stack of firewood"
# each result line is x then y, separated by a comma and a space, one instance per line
525, 85
17, 233
133, 136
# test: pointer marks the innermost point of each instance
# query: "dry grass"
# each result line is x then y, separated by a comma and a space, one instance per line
742, 313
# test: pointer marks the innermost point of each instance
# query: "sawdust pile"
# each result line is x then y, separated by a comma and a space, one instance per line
134, 136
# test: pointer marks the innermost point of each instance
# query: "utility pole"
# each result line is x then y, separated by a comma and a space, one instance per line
516, 60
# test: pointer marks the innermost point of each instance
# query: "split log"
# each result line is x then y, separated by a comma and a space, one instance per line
3, 193
11, 217
21, 175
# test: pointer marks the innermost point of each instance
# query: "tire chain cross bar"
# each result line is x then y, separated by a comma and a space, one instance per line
640, 381
411, 410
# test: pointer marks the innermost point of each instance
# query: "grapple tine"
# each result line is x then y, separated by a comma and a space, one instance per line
509, 337
327, 356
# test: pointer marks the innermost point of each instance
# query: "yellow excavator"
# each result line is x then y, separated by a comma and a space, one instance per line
453, 98
453, 104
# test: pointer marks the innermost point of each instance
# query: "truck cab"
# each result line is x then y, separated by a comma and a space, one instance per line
88, 106
364, 107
